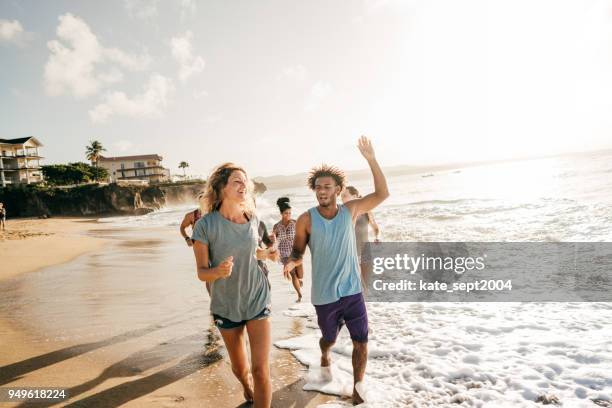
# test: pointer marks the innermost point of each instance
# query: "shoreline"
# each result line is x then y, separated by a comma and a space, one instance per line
30, 244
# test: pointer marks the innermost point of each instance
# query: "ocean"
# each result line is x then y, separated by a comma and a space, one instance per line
557, 199
470, 354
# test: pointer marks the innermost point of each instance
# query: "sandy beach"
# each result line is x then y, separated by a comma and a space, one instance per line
85, 324
30, 244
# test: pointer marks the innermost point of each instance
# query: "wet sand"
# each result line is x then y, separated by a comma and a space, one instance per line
30, 244
129, 325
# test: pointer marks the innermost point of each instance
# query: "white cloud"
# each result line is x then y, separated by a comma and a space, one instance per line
130, 62
150, 103
200, 94
319, 92
372, 7
111, 77
141, 9
11, 32
296, 73
182, 51
71, 67
211, 119
188, 7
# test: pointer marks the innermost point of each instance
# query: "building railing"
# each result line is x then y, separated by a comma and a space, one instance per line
120, 177
142, 171
20, 167
139, 168
12, 154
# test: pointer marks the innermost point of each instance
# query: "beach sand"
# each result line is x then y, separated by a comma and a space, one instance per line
88, 325
30, 244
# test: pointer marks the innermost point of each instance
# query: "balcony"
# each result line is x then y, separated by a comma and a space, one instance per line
20, 153
146, 175
12, 167
159, 166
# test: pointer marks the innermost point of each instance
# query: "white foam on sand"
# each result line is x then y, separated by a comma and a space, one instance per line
304, 309
476, 354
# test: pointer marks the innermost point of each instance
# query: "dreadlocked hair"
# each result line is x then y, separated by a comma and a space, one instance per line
326, 170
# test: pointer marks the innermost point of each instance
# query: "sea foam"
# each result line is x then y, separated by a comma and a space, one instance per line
478, 354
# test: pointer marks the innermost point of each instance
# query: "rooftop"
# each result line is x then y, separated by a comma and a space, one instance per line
124, 158
20, 140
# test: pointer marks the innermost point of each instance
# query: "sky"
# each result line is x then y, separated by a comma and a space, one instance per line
280, 86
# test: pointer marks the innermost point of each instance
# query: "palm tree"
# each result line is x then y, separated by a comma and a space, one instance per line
183, 165
92, 152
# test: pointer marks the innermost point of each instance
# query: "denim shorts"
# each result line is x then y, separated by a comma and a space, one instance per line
223, 323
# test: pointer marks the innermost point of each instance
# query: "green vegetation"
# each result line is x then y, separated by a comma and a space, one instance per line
72, 173
92, 153
178, 182
183, 165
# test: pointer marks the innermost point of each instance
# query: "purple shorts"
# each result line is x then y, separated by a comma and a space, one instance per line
350, 310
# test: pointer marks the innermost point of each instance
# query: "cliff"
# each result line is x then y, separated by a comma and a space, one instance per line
94, 199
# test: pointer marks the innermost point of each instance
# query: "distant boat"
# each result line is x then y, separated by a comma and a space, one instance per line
428, 175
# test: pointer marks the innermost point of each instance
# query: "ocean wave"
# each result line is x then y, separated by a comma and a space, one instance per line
448, 202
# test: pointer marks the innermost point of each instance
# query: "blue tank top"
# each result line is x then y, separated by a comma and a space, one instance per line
335, 269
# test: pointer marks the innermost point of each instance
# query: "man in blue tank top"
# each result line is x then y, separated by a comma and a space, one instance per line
336, 286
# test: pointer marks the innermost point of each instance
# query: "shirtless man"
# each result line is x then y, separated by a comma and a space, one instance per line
336, 285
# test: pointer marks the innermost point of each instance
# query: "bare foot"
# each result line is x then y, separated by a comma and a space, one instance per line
357, 398
248, 389
299, 299
248, 394
326, 374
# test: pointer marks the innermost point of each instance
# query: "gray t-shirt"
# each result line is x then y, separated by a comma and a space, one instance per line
245, 293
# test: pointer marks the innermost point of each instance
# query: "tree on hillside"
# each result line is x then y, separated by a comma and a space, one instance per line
183, 165
72, 173
92, 152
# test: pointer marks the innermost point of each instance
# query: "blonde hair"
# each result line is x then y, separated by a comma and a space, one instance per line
213, 195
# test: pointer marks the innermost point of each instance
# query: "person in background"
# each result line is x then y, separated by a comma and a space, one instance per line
189, 221
266, 241
2, 216
284, 233
362, 224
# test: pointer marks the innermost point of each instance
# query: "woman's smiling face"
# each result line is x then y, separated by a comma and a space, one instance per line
236, 187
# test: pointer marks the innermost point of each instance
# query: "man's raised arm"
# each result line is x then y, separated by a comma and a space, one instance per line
381, 192
302, 235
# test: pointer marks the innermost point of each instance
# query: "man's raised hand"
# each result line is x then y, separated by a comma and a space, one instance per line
365, 147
